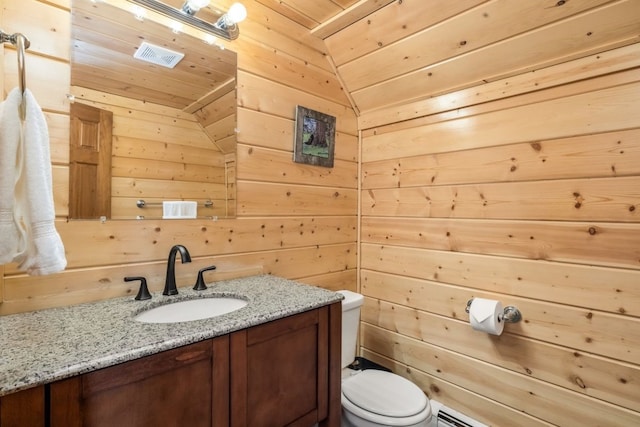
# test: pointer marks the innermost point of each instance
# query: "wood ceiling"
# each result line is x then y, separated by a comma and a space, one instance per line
388, 53
104, 39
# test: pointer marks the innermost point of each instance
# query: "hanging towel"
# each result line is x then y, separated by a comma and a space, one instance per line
11, 238
44, 251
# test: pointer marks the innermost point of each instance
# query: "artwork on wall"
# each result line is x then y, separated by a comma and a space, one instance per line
315, 137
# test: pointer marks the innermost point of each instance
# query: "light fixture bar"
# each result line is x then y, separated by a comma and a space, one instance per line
226, 32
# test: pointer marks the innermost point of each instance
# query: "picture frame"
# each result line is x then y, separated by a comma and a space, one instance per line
315, 137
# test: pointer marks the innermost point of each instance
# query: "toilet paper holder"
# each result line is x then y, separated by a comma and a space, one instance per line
510, 314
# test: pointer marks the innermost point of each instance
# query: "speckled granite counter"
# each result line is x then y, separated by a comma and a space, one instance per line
44, 346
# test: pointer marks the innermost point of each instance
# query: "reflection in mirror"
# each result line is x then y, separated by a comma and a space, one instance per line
173, 119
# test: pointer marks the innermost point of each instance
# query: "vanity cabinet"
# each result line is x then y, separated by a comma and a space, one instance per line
281, 373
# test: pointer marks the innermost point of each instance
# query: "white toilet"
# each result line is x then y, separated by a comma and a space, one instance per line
374, 398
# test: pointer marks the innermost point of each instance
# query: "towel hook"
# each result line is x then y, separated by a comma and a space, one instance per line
21, 42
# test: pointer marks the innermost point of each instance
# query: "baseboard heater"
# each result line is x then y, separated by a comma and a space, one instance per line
444, 416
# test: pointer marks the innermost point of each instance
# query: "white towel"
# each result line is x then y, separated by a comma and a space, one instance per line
44, 252
179, 209
11, 238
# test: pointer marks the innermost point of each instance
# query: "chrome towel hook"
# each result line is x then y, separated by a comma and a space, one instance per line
22, 43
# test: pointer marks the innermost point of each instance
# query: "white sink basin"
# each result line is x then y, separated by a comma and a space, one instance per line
194, 309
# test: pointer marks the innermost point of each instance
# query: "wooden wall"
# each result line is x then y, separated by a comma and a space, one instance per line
159, 153
532, 198
294, 220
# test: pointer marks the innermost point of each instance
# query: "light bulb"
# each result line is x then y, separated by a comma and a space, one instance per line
139, 12
192, 6
237, 13
176, 27
198, 4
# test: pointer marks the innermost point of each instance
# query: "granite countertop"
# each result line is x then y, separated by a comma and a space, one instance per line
48, 345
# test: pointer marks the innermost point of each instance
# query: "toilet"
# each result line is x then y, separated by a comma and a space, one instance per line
373, 397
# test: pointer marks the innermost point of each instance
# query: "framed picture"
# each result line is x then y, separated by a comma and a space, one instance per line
315, 137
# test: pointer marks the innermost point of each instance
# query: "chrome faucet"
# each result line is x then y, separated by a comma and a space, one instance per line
170, 282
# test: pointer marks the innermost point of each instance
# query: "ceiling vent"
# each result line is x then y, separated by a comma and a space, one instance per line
158, 55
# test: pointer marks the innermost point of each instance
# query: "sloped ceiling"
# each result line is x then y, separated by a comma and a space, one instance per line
390, 53
387, 53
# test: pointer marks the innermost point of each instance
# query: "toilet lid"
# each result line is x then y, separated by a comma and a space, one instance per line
384, 393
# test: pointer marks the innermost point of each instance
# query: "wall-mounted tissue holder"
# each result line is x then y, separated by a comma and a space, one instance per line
487, 315
510, 314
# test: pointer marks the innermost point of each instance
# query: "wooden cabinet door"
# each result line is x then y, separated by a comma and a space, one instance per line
173, 388
279, 372
25, 408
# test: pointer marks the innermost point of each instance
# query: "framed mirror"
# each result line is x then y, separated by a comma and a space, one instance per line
171, 97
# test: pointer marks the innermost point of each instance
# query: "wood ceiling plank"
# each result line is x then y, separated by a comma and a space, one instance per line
318, 10
348, 16
610, 26
291, 13
478, 27
390, 24
133, 80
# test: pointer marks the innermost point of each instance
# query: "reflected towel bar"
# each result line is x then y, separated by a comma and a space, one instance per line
142, 204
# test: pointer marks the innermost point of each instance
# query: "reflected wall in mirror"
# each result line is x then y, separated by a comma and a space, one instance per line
173, 133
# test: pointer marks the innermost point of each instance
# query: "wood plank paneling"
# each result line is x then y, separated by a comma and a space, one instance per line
318, 245
610, 154
550, 200
280, 199
579, 371
608, 289
263, 164
592, 112
505, 89
94, 284
536, 398
606, 244
460, 204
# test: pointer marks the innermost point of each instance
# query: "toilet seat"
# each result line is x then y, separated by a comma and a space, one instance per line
384, 398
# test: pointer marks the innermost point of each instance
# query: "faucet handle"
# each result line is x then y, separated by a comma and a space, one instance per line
143, 292
200, 286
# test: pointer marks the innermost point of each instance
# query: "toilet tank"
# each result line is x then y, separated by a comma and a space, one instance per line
350, 322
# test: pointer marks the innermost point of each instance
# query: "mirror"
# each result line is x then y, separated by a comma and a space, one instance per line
173, 133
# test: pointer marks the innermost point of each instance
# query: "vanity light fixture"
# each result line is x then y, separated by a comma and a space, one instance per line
226, 26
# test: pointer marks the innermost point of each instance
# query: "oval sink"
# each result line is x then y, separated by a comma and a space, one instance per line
193, 309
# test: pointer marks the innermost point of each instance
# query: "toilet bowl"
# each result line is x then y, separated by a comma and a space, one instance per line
371, 397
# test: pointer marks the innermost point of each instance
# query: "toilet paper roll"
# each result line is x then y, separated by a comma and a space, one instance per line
486, 315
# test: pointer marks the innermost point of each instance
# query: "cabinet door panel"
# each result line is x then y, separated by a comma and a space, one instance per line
276, 372
172, 388
23, 409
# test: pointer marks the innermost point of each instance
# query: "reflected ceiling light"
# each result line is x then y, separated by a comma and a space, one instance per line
139, 12
176, 27
209, 39
192, 6
226, 26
